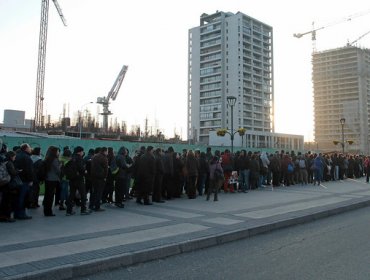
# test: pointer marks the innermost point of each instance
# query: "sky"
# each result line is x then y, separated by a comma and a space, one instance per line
151, 37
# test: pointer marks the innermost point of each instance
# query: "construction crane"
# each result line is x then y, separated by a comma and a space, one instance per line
112, 95
359, 38
39, 103
314, 30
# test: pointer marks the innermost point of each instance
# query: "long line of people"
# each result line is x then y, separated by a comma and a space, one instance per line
74, 180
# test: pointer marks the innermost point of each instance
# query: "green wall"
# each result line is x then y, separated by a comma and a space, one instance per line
44, 143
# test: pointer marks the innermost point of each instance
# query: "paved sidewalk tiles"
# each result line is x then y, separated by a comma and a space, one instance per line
64, 247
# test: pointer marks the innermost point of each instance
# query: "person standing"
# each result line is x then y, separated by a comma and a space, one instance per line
87, 163
242, 166
99, 173
214, 182
23, 163
64, 184
52, 180
8, 195
111, 177
275, 166
203, 173
254, 167
35, 189
227, 166
318, 170
192, 167
145, 176
122, 189
76, 182
169, 174
158, 181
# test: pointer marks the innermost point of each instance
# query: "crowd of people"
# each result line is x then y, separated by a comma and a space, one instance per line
74, 180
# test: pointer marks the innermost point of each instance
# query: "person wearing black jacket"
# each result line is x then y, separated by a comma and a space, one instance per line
158, 180
145, 176
77, 183
99, 173
242, 166
203, 173
9, 195
24, 164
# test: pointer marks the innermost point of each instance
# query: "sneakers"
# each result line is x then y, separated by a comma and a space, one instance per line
70, 213
86, 212
99, 210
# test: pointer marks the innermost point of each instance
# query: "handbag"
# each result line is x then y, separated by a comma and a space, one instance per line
15, 183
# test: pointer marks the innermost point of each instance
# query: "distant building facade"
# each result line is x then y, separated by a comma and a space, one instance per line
259, 140
341, 83
15, 120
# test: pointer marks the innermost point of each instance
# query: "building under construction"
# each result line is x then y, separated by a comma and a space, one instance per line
341, 89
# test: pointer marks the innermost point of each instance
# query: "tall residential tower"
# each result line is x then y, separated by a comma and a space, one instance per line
341, 81
229, 55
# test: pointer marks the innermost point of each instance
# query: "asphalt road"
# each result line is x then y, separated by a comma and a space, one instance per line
337, 248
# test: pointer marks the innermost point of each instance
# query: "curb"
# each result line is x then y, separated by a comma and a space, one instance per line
103, 264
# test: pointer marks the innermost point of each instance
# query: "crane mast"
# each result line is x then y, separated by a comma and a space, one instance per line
314, 30
39, 103
104, 101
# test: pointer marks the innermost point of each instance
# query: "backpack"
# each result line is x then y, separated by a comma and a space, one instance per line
40, 170
290, 168
70, 170
4, 174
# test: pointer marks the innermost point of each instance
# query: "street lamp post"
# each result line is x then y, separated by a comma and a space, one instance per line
342, 122
231, 100
80, 122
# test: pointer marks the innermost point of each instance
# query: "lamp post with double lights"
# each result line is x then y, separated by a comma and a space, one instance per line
81, 115
342, 122
343, 142
231, 100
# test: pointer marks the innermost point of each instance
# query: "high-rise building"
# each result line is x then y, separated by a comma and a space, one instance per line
341, 82
229, 55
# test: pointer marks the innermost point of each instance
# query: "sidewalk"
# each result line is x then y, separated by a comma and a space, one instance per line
63, 247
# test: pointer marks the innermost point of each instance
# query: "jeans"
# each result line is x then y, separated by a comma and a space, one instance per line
336, 172
318, 175
64, 190
244, 179
202, 183
20, 208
